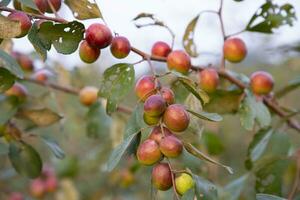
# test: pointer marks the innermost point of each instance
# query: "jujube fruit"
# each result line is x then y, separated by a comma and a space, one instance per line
42, 75
168, 95
261, 83
161, 49
88, 53
154, 105
18, 90
149, 120
183, 183
148, 152
120, 47
235, 50
179, 61
37, 188
171, 146
176, 118
56, 5
24, 20
145, 87
157, 135
98, 35
209, 80
162, 176
24, 61
16, 196
88, 95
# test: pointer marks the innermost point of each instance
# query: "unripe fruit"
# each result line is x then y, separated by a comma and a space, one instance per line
37, 188
51, 184
162, 176
179, 61
120, 47
98, 35
168, 95
24, 61
184, 183
56, 5
24, 20
150, 120
42, 75
87, 53
261, 82
148, 152
235, 50
209, 80
176, 118
156, 133
171, 146
18, 91
161, 49
145, 87
16, 196
154, 106
88, 95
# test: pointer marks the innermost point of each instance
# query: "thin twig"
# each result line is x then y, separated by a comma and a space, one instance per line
173, 180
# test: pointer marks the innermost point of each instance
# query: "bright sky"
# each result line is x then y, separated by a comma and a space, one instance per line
177, 14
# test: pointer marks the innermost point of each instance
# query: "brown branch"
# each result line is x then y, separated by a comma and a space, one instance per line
173, 180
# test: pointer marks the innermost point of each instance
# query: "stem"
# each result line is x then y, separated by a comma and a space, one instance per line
173, 180
296, 182
234, 34
223, 33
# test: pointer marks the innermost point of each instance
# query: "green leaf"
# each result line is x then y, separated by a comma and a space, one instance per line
205, 189
135, 122
25, 159
270, 16
191, 86
268, 197
195, 152
258, 146
189, 195
54, 147
117, 81
188, 38
29, 3
64, 37
292, 85
84, 9
6, 80
9, 28
234, 189
36, 41
10, 64
223, 101
40, 117
252, 111
213, 143
213, 117
8, 108
98, 123
127, 147
3, 148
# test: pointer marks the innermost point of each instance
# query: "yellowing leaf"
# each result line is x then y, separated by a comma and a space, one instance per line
84, 9
9, 28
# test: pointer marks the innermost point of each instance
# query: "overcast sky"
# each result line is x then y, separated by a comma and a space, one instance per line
177, 14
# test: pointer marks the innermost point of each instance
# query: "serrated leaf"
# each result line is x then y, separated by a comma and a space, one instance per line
270, 16
98, 123
117, 81
135, 122
252, 111
36, 41
25, 159
188, 38
40, 117
195, 152
54, 147
204, 189
84, 9
9, 28
6, 80
64, 37
9, 63
213, 117
268, 197
127, 147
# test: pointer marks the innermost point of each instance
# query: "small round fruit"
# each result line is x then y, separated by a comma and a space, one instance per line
156, 133
127, 178
87, 53
235, 50
161, 49
162, 176
209, 80
154, 106
18, 90
148, 152
98, 35
24, 61
37, 188
261, 83
24, 21
55, 3
145, 87
171, 146
150, 120
120, 47
51, 184
183, 183
176, 118
88, 95
168, 95
41, 5
179, 61
42, 75
16, 196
